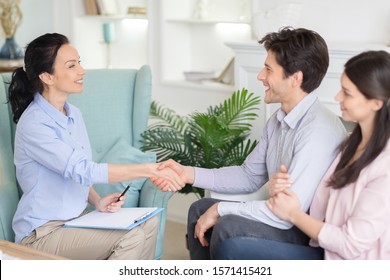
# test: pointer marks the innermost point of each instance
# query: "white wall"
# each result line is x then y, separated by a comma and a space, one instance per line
37, 19
349, 20
342, 20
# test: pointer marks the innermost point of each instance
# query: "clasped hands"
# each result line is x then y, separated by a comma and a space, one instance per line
185, 175
283, 202
169, 176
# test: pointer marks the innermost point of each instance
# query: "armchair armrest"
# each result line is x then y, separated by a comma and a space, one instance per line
152, 197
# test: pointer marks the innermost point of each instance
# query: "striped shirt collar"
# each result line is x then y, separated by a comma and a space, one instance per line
292, 118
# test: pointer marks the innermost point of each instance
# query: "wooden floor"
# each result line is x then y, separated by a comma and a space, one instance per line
174, 242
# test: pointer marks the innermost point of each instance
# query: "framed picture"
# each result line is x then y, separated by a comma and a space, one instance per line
108, 7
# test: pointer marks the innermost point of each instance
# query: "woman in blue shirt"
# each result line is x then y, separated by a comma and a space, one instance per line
54, 164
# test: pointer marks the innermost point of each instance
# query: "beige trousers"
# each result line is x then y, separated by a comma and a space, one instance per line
95, 244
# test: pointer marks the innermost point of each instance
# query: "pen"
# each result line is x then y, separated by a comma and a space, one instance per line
142, 217
123, 193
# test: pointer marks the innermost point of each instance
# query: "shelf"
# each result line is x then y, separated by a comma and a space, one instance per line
114, 17
206, 21
129, 48
201, 46
204, 85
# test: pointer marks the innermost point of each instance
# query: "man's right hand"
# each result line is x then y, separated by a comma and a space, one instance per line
186, 174
279, 181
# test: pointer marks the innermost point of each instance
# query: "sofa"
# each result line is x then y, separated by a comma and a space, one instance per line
115, 105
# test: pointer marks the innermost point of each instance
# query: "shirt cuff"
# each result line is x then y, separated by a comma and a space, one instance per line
101, 173
227, 208
204, 178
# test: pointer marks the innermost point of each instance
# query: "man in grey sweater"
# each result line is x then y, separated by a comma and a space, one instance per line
302, 135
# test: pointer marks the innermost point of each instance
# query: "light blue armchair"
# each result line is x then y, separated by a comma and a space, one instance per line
115, 105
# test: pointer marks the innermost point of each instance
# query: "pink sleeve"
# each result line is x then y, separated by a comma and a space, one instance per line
358, 215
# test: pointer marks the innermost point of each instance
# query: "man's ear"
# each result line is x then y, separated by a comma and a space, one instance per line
46, 78
297, 78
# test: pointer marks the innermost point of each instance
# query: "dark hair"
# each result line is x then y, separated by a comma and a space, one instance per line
39, 58
370, 73
299, 50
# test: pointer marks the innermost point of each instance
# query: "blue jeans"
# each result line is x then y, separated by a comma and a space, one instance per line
252, 248
233, 226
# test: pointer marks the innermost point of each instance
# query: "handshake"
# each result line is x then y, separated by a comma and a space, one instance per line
171, 176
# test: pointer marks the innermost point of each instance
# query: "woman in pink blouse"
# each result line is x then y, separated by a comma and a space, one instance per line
350, 213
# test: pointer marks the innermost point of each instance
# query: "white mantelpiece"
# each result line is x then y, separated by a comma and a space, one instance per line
249, 60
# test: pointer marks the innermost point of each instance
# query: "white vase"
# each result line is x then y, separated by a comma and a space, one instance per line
201, 10
286, 14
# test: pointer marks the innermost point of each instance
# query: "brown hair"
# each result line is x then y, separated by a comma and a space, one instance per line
299, 50
370, 72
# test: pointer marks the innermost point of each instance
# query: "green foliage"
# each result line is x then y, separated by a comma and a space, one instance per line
213, 139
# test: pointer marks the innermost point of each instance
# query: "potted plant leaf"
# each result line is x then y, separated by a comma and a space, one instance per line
216, 138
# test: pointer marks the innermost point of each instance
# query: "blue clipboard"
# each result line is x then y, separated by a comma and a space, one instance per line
124, 219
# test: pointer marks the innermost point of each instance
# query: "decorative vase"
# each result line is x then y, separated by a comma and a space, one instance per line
108, 32
265, 21
11, 50
201, 10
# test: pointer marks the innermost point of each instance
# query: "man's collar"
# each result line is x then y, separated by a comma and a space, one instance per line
292, 118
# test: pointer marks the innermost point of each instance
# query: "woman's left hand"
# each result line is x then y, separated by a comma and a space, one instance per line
284, 204
109, 203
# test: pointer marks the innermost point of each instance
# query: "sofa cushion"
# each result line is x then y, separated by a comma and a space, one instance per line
123, 153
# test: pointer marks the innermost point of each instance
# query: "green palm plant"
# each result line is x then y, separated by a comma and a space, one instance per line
213, 139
